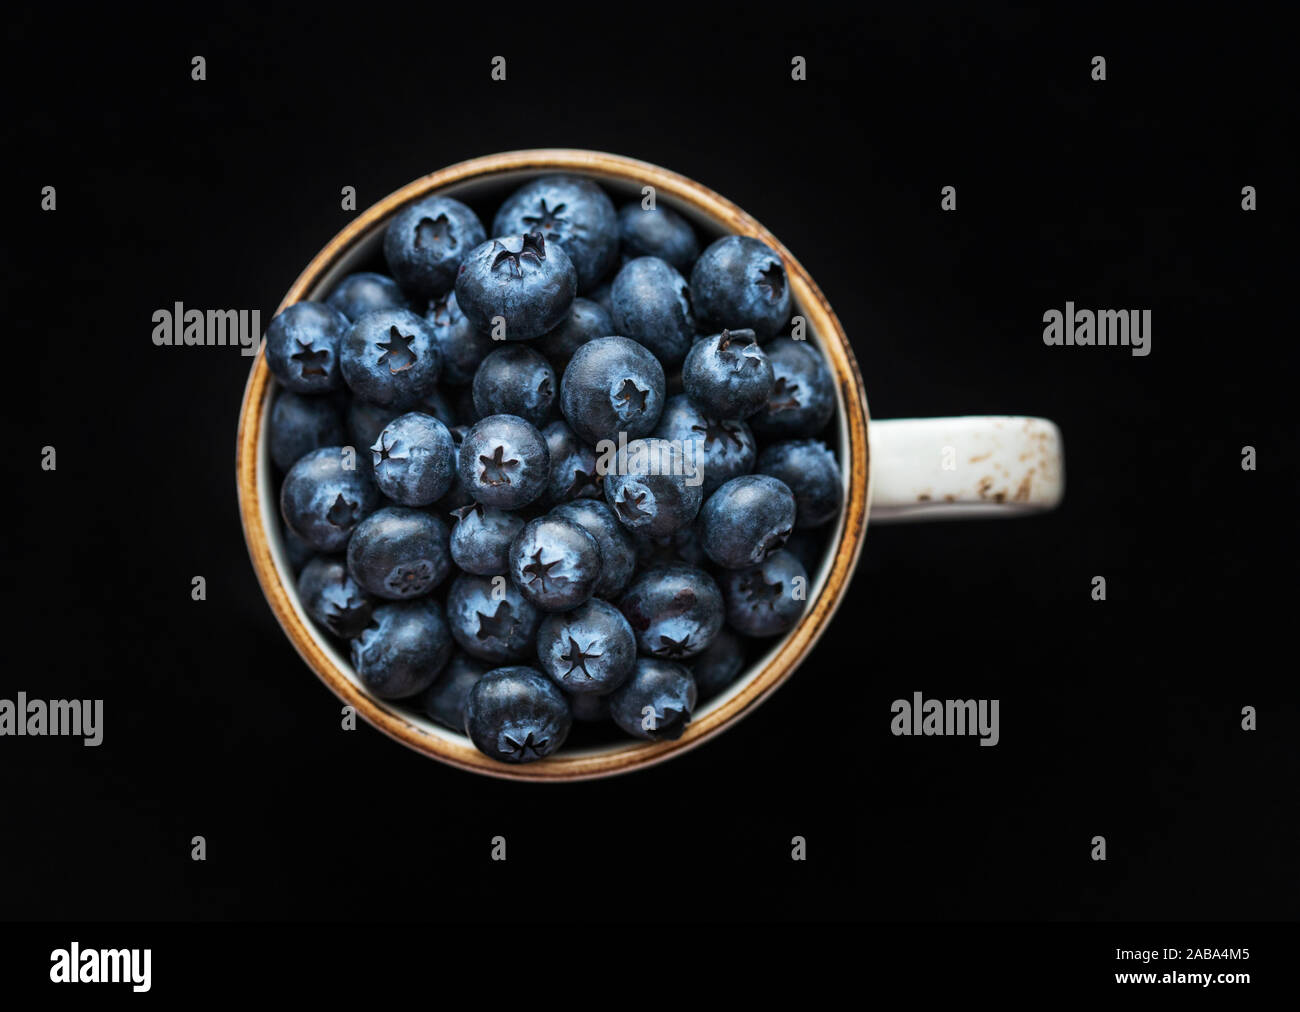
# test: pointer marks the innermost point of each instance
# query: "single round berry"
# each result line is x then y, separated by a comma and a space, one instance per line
426, 242
740, 282
480, 541
746, 520
656, 702
322, 500
296, 551
574, 474
462, 345
588, 651
414, 459
657, 232
767, 599
518, 282
601, 296
719, 664
445, 700
675, 611
504, 462
617, 553
333, 598
803, 396
655, 487
670, 550
612, 385
300, 424
399, 553
555, 563
517, 715
586, 321
651, 304
490, 619
359, 294
728, 448
391, 358
809, 469
365, 422
728, 375
588, 708
515, 380
403, 649
569, 211
303, 347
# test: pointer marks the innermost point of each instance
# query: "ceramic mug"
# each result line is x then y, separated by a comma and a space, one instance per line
911, 469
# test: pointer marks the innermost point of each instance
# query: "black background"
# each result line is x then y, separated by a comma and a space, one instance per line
1119, 718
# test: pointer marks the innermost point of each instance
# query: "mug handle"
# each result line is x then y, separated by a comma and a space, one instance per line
964, 467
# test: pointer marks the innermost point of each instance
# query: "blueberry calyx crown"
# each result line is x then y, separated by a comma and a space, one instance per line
533, 249
773, 279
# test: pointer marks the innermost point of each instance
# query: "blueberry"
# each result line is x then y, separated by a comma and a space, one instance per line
333, 598
588, 651
586, 321
528, 284
674, 610
321, 500
414, 459
746, 520
391, 358
517, 715
719, 664
426, 242
480, 541
656, 702
656, 488
651, 304
680, 546
445, 700
365, 422
439, 406
616, 550
359, 294
490, 619
555, 563
574, 474
740, 282
767, 599
728, 448
296, 551
612, 385
457, 496
570, 211
809, 469
398, 553
303, 347
300, 424
515, 380
403, 649
657, 232
728, 375
504, 462
803, 397
808, 545
588, 708
462, 346
601, 295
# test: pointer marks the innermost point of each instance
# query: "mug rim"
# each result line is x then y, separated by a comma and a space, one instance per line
252, 470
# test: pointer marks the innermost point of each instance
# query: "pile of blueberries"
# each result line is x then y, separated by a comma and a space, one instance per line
451, 503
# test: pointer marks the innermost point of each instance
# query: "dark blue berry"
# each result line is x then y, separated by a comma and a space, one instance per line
391, 358
618, 556
426, 242
588, 708
767, 599
480, 541
515, 380
728, 375
490, 619
297, 552
504, 462
300, 424
651, 304
671, 549
555, 563
656, 487
588, 651
359, 294
462, 346
331, 597
656, 702
746, 520
674, 610
803, 396
809, 469
445, 700
574, 474
322, 501
728, 448
403, 649
573, 212
303, 347
365, 422
519, 280
517, 715
719, 664
413, 459
586, 321
658, 232
740, 282
612, 385
398, 553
